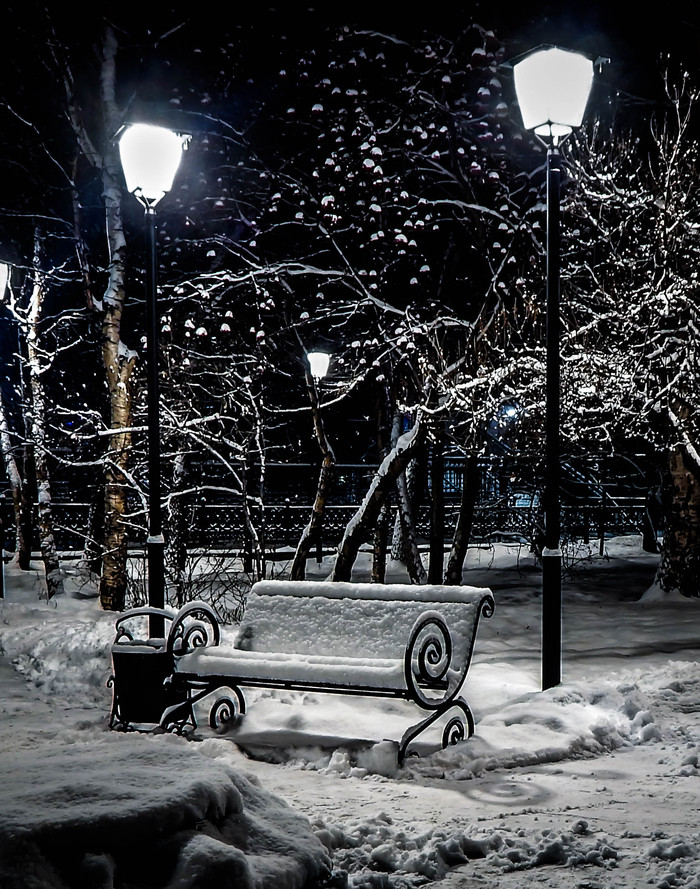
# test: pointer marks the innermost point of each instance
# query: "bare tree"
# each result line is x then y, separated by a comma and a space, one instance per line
634, 345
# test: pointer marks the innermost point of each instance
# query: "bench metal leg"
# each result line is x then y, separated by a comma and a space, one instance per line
224, 712
457, 729
227, 711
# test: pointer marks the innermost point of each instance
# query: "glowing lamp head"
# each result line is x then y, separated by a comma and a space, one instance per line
150, 156
552, 86
318, 364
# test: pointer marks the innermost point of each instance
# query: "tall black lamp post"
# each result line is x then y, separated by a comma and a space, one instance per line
318, 366
552, 87
150, 157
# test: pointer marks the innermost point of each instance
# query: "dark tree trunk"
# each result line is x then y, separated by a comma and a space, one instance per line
381, 532
409, 537
361, 524
312, 532
179, 518
412, 486
465, 522
437, 504
26, 510
381, 542
679, 568
92, 551
650, 522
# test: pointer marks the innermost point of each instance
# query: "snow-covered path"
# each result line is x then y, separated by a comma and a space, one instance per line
630, 817
594, 784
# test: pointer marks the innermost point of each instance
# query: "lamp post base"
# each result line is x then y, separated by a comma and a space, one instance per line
155, 560
551, 618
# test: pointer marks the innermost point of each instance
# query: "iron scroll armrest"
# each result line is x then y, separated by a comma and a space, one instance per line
143, 611
433, 669
196, 625
428, 661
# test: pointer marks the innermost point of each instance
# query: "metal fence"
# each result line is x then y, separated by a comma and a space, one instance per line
507, 506
221, 526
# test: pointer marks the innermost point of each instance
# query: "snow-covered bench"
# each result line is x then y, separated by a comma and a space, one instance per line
412, 642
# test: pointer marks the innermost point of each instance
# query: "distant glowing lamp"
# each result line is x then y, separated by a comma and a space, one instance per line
552, 86
318, 364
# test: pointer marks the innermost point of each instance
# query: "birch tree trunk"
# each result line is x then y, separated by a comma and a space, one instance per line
47, 541
19, 494
20, 473
119, 362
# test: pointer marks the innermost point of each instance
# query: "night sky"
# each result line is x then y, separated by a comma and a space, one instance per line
633, 35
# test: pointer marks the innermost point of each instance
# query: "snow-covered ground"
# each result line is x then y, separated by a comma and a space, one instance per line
592, 784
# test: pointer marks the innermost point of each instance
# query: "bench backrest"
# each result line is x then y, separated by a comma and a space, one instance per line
362, 620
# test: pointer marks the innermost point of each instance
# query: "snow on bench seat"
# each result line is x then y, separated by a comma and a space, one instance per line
267, 667
412, 642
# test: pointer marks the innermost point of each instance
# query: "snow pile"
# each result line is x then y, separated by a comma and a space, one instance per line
375, 845
542, 727
62, 647
148, 810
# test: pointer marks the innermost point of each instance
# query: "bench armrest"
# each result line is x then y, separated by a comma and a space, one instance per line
195, 625
123, 632
434, 667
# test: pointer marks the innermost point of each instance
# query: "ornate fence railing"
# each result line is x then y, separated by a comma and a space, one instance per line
221, 526
507, 506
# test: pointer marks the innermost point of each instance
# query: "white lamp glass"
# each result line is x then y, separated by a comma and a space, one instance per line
552, 86
318, 363
150, 157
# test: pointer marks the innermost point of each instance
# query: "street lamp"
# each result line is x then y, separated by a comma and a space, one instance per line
552, 86
318, 366
150, 157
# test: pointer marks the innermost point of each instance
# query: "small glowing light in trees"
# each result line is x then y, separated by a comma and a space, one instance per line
318, 363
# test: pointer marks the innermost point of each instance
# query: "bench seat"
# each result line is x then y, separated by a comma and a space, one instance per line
298, 669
